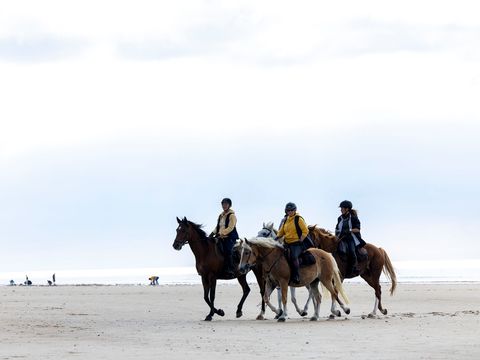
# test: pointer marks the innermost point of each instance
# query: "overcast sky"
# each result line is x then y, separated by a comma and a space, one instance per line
117, 116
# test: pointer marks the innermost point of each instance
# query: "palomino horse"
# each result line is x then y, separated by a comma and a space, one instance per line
370, 269
270, 254
210, 264
268, 231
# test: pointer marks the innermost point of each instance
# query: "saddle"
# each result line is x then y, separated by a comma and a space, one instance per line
305, 258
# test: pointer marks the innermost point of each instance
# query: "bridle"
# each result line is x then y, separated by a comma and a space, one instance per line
270, 232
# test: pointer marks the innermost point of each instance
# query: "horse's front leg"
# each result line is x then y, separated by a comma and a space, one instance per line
266, 298
310, 297
294, 301
284, 289
209, 285
206, 293
213, 287
246, 290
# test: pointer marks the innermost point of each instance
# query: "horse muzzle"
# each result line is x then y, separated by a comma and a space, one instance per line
177, 246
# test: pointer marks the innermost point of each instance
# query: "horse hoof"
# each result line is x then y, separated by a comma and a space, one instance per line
221, 312
280, 313
282, 319
331, 317
208, 318
337, 313
260, 317
347, 311
304, 313
239, 314
313, 318
384, 311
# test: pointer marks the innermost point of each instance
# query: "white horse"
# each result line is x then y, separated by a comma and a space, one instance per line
268, 231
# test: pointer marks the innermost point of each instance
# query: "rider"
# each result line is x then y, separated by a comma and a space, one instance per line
293, 238
227, 231
348, 230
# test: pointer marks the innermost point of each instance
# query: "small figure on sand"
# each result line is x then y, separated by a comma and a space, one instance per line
53, 279
27, 281
12, 283
153, 280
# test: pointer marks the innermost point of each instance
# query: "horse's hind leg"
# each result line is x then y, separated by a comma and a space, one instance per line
328, 284
374, 281
246, 290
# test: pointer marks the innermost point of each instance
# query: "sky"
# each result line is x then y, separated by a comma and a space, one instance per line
118, 116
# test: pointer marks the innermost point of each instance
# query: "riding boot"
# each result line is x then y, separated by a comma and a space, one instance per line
295, 272
229, 268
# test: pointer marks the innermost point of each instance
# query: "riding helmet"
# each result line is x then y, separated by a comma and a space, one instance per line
290, 207
227, 201
346, 204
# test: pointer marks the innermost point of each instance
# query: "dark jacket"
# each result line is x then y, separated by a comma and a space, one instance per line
355, 224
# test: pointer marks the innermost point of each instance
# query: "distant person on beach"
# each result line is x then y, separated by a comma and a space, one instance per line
53, 278
153, 280
348, 231
27, 281
226, 230
12, 283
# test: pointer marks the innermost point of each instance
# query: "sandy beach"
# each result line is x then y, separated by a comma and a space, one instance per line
425, 321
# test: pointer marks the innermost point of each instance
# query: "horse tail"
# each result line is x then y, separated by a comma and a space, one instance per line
337, 280
389, 271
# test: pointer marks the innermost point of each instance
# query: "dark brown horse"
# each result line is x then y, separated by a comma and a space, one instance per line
210, 265
370, 268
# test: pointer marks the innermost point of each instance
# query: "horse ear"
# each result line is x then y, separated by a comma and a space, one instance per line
184, 219
178, 220
264, 224
247, 242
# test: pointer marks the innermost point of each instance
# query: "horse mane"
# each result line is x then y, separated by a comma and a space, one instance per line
322, 231
265, 242
198, 229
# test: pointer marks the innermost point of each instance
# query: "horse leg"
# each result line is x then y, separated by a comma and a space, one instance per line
213, 286
317, 299
266, 297
284, 289
206, 292
246, 290
279, 297
334, 294
310, 297
294, 301
374, 281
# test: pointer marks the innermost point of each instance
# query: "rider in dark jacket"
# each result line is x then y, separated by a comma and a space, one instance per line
348, 231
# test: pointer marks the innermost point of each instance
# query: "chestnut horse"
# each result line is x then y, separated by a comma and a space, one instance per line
210, 265
370, 268
270, 254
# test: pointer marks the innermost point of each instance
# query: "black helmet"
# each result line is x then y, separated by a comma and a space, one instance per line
290, 207
346, 204
227, 201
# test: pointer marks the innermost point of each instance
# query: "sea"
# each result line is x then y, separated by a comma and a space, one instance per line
429, 271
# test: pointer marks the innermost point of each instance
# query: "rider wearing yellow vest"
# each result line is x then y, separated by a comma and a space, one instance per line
293, 239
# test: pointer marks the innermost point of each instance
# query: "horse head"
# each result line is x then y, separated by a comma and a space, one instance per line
268, 231
248, 256
323, 239
182, 234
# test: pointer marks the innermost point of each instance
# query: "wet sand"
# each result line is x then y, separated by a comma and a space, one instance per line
424, 321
